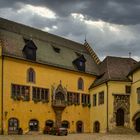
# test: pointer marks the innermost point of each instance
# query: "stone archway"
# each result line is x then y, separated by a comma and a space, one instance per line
33, 125
137, 128
136, 121
79, 126
49, 123
13, 126
96, 127
121, 113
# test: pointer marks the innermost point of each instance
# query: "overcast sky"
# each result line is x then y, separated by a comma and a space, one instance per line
111, 27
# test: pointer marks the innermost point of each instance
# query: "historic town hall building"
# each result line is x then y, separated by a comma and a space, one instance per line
46, 80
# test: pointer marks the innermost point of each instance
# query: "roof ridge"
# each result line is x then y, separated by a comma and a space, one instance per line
108, 69
119, 57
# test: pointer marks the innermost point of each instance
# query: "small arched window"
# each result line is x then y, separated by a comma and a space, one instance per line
31, 75
80, 84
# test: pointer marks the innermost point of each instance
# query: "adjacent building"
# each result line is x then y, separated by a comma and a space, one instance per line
47, 81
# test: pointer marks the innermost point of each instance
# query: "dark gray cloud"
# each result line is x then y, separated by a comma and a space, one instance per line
114, 11
112, 27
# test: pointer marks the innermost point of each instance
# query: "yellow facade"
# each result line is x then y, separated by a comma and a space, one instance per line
57, 66
0, 85
135, 106
46, 77
99, 112
15, 72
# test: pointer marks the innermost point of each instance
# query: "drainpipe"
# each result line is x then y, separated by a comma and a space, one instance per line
2, 131
107, 128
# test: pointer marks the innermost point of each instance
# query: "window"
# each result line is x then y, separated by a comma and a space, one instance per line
31, 75
73, 98
13, 124
85, 99
128, 89
101, 97
29, 50
40, 94
94, 99
79, 63
20, 92
138, 95
80, 84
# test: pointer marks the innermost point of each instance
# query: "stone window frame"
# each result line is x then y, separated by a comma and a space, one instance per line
73, 98
80, 84
20, 92
31, 75
40, 94
85, 99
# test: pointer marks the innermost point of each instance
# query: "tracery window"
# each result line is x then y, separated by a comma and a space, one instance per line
31, 75
80, 84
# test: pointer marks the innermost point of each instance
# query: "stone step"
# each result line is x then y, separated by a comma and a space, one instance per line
122, 130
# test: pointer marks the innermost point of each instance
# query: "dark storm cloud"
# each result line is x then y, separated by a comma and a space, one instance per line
106, 38
115, 11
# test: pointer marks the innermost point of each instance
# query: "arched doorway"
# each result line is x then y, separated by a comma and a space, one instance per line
65, 124
120, 117
79, 127
33, 125
137, 125
96, 127
13, 125
49, 123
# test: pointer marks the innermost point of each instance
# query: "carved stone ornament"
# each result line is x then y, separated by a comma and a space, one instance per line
122, 102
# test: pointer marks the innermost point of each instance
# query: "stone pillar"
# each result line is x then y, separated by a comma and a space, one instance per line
58, 116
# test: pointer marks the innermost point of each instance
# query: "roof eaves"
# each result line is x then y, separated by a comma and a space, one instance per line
49, 64
107, 80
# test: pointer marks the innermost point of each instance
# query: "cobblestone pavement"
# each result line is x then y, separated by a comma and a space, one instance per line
72, 137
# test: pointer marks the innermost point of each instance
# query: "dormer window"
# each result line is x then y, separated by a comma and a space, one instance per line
29, 50
57, 50
79, 63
